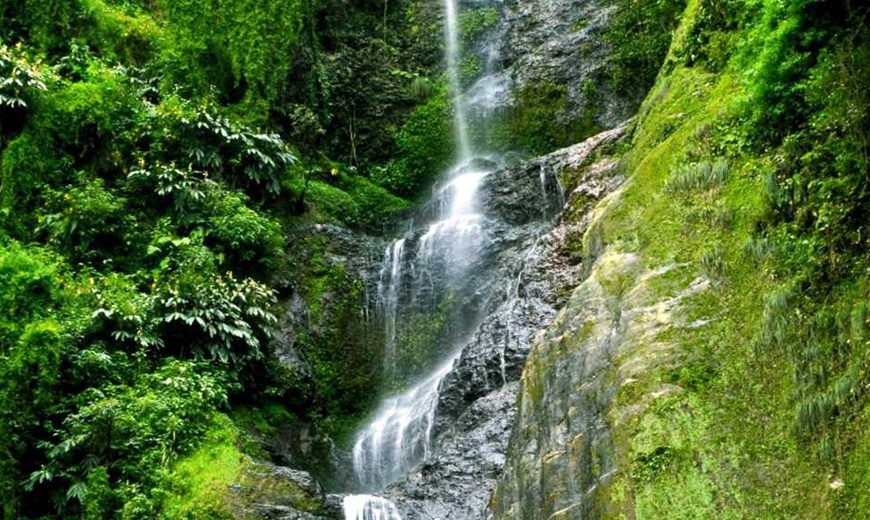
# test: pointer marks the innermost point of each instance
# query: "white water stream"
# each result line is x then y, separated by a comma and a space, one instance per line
399, 436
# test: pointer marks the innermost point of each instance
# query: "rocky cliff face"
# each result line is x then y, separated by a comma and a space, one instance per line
559, 42
563, 453
476, 402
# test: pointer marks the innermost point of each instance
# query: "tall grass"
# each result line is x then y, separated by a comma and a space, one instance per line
702, 176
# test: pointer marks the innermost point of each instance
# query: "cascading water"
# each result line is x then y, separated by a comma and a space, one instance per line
399, 436
368, 507
388, 299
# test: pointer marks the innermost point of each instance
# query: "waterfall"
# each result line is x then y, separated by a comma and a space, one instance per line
399, 435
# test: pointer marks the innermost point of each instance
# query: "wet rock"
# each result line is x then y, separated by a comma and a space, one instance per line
534, 189
457, 481
332, 246
316, 308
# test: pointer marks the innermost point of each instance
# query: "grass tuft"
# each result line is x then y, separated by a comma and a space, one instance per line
702, 176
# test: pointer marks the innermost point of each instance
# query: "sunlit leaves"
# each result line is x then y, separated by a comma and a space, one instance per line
230, 316
186, 188
18, 74
220, 144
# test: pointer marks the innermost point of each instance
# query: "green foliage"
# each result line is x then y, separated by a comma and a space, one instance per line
201, 314
18, 75
640, 34
148, 145
82, 218
710, 42
221, 318
242, 234
98, 501
474, 22
30, 290
367, 85
350, 201
32, 376
425, 145
232, 152
134, 432
242, 47
79, 117
186, 188
42, 23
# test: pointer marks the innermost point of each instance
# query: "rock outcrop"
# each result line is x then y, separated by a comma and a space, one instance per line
564, 450
538, 265
270, 492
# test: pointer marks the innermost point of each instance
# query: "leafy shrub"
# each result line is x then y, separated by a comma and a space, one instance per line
83, 217
193, 310
425, 145
186, 188
219, 318
120, 33
352, 201
26, 168
79, 117
710, 40
134, 432
18, 75
241, 233
229, 151
375, 204
30, 289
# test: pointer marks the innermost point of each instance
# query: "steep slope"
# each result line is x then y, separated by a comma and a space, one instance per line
712, 364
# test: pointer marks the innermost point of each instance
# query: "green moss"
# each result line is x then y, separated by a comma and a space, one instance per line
341, 349
729, 444
202, 479
349, 200
540, 121
418, 339
474, 22
425, 144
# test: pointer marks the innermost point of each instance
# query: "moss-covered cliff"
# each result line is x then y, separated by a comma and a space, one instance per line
714, 362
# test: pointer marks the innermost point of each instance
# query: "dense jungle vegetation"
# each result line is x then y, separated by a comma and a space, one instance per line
154, 162
154, 156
